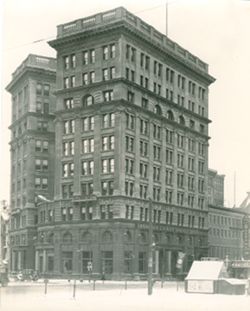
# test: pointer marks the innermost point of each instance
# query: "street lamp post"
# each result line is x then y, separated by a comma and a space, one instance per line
150, 250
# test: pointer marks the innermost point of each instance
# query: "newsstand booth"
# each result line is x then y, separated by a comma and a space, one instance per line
211, 277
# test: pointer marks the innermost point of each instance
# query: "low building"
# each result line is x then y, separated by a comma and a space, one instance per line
225, 236
245, 207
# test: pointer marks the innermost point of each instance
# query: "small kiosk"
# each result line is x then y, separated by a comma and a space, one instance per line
211, 277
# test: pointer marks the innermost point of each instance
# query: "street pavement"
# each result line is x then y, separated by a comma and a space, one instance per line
113, 296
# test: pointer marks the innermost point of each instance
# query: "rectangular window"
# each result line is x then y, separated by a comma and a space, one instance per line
156, 173
156, 193
46, 89
105, 75
180, 198
38, 89
72, 81
143, 170
142, 264
112, 72
108, 95
143, 191
169, 218
88, 145
85, 58
108, 120
191, 145
66, 82
180, 180
107, 262
92, 77
169, 156
143, 127
180, 160
131, 97
85, 79
129, 188
87, 189
68, 103
88, 124
156, 131
129, 214
169, 136
107, 187
130, 121
66, 62
112, 50
73, 61
157, 152
92, 56
169, 177
105, 52
129, 166
129, 143
143, 148
144, 103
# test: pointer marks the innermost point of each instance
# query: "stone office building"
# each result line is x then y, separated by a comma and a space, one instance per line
32, 152
131, 123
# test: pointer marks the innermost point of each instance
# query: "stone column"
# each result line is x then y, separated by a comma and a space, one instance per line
137, 157
36, 260
97, 154
44, 261
119, 175
58, 155
77, 157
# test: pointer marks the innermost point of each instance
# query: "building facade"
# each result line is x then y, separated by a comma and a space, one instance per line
4, 226
245, 207
131, 127
225, 232
215, 188
32, 152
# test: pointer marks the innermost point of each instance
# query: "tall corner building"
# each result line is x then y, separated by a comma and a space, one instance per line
131, 127
32, 152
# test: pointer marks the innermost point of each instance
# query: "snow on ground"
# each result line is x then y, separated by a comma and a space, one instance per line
115, 298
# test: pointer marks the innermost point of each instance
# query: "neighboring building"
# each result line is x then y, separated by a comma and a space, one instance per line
245, 207
32, 152
225, 232
4, 221
225, 235
131, 123
215, 188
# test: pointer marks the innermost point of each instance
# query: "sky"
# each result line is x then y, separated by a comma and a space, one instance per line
217, 31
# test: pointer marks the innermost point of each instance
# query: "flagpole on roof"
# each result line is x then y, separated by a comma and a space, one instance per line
167, 18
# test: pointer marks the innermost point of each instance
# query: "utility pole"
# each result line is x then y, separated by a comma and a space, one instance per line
234, 189
150, 249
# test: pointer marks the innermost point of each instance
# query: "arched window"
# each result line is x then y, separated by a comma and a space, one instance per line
50, 238
142, 238
67, 237
156, 238
170, 115
158, 110
88, 100
86, 237
181, 120
168, 238
127, 237
107, 237
41, 237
